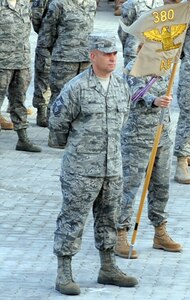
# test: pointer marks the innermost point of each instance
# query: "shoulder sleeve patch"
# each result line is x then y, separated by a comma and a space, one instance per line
132, 81
57, 106
36, 3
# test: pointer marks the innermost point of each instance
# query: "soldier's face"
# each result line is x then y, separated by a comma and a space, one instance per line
103, 63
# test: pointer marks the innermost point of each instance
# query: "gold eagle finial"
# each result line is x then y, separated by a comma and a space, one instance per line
166, 36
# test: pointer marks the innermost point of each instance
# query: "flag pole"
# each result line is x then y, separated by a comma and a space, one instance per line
151, 161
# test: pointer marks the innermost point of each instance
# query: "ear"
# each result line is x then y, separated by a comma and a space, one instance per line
92, 55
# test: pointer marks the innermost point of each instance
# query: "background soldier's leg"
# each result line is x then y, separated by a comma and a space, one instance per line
182, 140
41, 85
5, 78
158, 196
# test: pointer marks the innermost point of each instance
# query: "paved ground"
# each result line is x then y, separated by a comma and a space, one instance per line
30, 200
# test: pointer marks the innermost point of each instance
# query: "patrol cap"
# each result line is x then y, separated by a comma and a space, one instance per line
102, 42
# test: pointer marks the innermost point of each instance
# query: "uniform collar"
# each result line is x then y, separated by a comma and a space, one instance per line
95, 83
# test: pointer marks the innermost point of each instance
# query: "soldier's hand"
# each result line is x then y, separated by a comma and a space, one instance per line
163, 101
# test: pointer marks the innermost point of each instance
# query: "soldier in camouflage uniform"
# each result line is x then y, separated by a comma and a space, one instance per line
42, 64
66, 27
182, 141
86, 119
14, 65
137, 142
130, 12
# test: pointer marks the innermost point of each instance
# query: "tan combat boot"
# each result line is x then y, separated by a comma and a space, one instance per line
64, 281
163, 241
29, 111
110, 274
182, 175
5, 124
118, 4
122, 246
